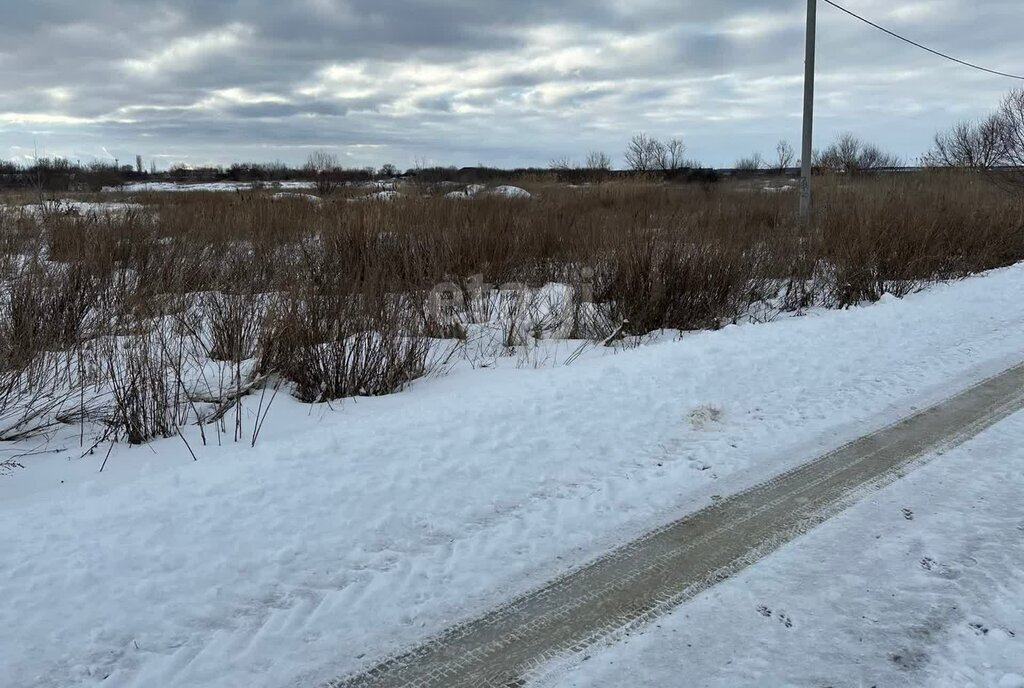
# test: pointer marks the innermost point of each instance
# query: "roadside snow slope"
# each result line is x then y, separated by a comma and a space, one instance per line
350, 533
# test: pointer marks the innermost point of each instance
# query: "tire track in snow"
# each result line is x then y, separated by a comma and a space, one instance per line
641, 580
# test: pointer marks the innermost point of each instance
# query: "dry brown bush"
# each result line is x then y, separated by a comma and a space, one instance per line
335, 297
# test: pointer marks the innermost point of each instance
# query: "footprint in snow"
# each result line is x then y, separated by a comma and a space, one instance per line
705, 415
979, 629
909, 660
998, 633
784, 618
938, 568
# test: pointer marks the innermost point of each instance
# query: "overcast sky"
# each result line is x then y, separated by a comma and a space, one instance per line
502, 82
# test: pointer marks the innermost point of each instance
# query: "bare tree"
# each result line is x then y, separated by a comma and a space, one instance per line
849, 155
784, 156
562, 164
138, 164
972, 145
647, 154
751, 163
324, 168
995, 144
872, 158
389, 170
671, 155
840, 156
598, 161
1011, 133
642, 153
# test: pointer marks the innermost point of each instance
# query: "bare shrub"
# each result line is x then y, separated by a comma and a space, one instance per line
112, 322
43, 309
849, 155
44, 396
654, 280
325, 170
900, 235
339, 346
751, 163
341, 331
969, 145
234, 321
147, 401
598, 161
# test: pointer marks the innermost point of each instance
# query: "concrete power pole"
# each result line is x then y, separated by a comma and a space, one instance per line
808, 150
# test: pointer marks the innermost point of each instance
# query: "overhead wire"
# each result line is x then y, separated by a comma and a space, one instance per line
923, 47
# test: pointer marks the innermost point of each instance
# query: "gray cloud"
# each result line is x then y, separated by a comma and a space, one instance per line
467, 81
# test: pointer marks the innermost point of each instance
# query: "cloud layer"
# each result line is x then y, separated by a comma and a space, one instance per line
467, 81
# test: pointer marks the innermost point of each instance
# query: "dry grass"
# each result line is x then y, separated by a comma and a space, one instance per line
119, 317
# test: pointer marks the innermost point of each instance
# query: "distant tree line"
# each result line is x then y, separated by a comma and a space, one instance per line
61, 174
994, 145
645, 156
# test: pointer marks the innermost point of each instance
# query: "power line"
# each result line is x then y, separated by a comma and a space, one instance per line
922, 47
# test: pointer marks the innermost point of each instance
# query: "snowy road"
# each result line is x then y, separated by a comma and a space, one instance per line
920, 585
645, 579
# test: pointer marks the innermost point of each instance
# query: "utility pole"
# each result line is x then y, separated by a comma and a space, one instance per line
808, 150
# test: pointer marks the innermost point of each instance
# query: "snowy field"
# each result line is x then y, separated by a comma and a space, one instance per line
137, 187
351, 531
384, 190
71, 208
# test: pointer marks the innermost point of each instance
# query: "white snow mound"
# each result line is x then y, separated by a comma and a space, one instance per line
510, 192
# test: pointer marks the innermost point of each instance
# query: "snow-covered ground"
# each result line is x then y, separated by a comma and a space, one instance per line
137, 187
921, 584
478, 190
293, 185
291, 195
69, 207
384, 195
351, 531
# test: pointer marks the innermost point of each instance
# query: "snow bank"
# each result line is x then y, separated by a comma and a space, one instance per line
475, 190
387, 195
285, 195
137, 187
510, 192
354, 530
68, 207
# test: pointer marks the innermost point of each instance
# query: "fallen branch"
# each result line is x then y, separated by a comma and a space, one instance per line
225, 403
616, 335
8, 465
